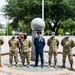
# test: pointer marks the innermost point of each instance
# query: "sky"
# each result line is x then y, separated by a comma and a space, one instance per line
2, 18
2, 2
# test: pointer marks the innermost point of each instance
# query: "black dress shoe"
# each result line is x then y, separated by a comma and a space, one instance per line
41, 66
35, 65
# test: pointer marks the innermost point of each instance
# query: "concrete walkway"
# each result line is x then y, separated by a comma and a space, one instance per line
38, 70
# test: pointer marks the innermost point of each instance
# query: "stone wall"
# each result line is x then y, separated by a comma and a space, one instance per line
5, 46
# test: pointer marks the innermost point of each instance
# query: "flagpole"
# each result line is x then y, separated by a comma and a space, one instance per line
43, 9
43, 15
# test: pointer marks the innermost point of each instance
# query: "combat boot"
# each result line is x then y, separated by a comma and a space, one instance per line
16, 65
48, 66
71, 68
28, 65
10, 65
1, 65
55, 66
63, 66
22, 65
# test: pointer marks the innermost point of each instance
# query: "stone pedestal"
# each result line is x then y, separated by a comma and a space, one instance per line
33, 47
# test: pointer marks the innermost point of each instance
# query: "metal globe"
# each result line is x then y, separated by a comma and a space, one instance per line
37, 24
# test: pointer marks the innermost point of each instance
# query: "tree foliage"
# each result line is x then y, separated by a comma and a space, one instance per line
60, 31
26, 10
8, 30
68, 25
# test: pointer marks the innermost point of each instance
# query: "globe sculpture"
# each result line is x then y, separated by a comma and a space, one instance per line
37, 24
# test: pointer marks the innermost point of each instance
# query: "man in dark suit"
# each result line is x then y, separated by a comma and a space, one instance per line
39, 43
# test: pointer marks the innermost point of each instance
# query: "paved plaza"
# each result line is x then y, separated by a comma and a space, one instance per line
38, 70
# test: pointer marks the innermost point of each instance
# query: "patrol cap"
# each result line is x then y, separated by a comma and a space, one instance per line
67, 33
53, 33
39, 32
25, 33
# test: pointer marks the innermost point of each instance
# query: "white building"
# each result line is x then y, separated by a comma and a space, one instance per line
3, 21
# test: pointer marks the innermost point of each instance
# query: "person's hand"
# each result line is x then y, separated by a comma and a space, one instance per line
56, 53
57, 47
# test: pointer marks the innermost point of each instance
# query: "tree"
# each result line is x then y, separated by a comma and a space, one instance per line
26, 10
61, 10
48, 32
22, 10
1, 33
22, 26
8, 30
0, 25
68, 25
60, 31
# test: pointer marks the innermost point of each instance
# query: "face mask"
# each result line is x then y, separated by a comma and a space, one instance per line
25, 36
13, 36
53, 35
67, 36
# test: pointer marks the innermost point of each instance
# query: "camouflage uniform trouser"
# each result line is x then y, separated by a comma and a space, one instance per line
15, 54
69, 57
27, 56
50, 57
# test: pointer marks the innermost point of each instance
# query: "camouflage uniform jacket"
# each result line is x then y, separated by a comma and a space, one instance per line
26, 44
14, 44
53, 44
67, 44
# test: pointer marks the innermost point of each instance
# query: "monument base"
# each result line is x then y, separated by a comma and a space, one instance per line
33, 47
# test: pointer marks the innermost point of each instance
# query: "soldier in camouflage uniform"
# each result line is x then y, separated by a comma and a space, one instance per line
14, 44
26, 44
1, 43
53, 45
67, 44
